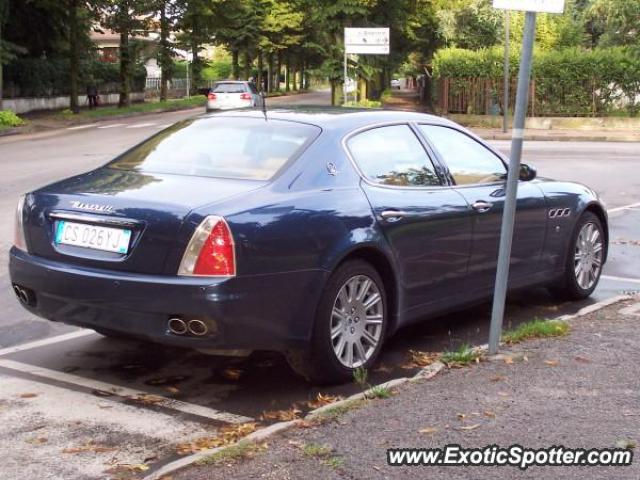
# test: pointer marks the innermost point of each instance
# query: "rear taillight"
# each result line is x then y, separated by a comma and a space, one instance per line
212, 96
211, 251
245, 96
18, 234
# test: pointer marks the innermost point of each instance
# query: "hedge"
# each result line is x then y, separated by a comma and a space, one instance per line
568, 81
35, 77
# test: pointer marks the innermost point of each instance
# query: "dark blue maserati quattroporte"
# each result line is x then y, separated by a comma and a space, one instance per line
314, 233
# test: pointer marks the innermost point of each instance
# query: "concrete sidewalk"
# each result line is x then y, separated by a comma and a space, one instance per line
580, 391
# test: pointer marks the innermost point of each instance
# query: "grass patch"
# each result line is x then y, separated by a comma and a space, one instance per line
335, 462
536, 328
379, 391
317, 450
8, 119
144, 107
333, 413
462, 356
363, 104
241, 450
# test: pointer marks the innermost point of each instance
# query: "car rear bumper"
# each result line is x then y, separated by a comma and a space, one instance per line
262, 312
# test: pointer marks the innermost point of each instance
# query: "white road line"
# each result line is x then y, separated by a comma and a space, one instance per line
625, 207
123, 392
82, 127
113, 125
46, 341
621, 279
142, 125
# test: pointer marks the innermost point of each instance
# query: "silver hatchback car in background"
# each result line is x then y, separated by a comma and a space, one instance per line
233, 94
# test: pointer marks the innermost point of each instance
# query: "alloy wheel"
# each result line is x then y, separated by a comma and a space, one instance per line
357, 320
588, 256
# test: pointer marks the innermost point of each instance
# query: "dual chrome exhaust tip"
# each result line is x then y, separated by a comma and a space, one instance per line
26, 296
178, 326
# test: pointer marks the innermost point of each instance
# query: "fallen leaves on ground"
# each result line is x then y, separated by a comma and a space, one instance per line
281, 415
552, 363
626, 443
146, 399
37, 440
88, 447
498, 378
321, 400
469, 427
461, 416
508, 360
28, 395
127, 467
582, 360
428, 430
226, 436
232, 373
102, 393
166, 380
489, 413
382, 368
418, 359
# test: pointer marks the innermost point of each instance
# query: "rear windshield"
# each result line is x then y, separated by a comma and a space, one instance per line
229, 88
244, 148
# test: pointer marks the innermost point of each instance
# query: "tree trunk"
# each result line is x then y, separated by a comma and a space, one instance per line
303, 81
278, 70
270, 74
260, 67
165, 53
287, 75
235, 65
74, 56
247, 64
125, 69
333, 93
196, 65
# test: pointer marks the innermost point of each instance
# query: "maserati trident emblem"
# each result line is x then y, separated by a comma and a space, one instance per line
92, 207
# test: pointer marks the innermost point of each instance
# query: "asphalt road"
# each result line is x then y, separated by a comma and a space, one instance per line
105, 381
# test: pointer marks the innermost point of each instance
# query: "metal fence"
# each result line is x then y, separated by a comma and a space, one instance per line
548, 97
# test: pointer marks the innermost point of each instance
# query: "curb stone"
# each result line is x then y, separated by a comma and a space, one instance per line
425, 373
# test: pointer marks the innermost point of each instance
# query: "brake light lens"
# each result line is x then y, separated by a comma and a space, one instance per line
245, 96
19, 240
211, 96
211, 250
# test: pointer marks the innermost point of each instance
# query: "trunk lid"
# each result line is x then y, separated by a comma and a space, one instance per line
152, 207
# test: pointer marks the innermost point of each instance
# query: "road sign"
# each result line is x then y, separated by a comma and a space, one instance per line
367, 41
548, 6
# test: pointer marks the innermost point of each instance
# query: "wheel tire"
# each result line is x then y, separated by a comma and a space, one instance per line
319, 364
569, 288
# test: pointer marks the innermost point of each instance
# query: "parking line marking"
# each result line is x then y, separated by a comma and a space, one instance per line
625, 207
621, 279
82, 127
114, 125
123, 392
142, 125
46, 341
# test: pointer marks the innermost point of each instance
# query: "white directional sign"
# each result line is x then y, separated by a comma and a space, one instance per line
547, 6
373, 41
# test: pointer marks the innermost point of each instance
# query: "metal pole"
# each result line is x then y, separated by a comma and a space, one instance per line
508, 216
505, 103
344, 83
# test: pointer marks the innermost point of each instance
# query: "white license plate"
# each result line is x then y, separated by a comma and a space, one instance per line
92, 236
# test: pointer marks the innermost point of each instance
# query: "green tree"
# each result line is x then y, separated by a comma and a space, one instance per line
618, 20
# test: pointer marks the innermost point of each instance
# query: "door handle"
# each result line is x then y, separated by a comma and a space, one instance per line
482, 206
393, 215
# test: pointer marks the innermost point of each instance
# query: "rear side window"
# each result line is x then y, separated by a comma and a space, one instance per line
229, 88
469, 161
393, 155
228, 147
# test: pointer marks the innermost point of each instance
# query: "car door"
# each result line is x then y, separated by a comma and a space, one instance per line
480, 176
426, 223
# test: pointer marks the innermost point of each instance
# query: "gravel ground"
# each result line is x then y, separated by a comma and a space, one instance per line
582, 390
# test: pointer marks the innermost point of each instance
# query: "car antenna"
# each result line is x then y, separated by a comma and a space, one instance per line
264, 105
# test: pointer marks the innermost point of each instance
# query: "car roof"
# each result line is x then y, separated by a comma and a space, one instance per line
336, 117
232, 81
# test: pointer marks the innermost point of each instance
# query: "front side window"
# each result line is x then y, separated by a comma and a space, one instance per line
393, 155
229, 147
469, 161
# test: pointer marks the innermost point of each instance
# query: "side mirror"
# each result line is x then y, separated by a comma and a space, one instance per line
527, 172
